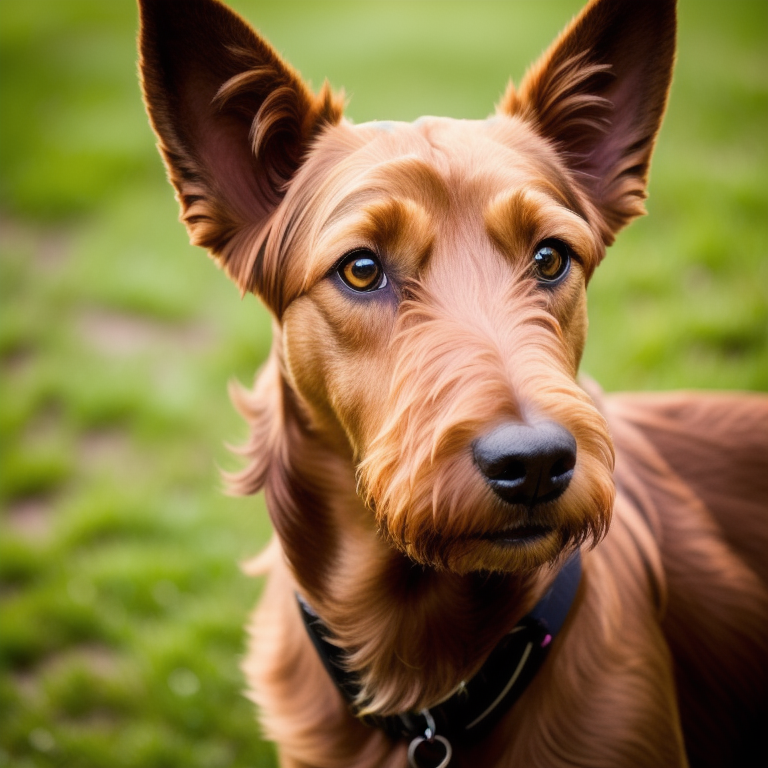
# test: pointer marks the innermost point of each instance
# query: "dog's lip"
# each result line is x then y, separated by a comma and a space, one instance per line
518, 534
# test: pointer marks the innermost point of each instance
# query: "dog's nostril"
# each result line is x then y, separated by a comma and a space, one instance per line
526, 464
505, 470
563, 465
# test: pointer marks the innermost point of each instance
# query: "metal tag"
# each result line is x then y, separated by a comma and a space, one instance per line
418, 758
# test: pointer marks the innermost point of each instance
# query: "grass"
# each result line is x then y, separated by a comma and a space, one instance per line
122, 603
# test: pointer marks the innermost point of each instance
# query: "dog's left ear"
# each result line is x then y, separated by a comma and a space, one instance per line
599, 95
234, 122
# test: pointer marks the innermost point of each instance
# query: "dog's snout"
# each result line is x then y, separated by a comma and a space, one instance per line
526, 464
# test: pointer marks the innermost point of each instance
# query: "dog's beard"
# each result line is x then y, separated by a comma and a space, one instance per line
452, 383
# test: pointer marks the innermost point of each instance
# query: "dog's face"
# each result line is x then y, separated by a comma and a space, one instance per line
428, 280
440, 276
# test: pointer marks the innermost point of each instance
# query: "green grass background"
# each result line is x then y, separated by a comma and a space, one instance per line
121, 600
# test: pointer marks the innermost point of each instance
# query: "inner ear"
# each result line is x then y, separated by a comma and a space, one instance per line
233, 121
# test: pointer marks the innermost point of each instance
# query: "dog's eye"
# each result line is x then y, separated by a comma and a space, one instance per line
551, 261
362, 271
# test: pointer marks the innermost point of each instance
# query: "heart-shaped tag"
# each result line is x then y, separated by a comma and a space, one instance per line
429, 753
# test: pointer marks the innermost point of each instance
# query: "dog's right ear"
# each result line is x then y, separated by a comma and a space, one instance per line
233, 120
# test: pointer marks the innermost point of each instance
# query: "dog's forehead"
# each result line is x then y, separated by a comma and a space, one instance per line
451, 169
466, 147
469, 162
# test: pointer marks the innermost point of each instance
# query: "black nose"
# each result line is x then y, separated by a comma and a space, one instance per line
526, 464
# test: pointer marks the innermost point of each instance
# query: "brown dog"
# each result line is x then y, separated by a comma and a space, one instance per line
431, 464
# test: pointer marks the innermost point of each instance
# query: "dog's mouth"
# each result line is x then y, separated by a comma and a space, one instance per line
522, 534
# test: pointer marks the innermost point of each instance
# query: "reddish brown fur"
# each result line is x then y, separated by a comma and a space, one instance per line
362, 420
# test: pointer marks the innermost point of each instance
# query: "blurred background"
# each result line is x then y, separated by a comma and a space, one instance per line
121, 600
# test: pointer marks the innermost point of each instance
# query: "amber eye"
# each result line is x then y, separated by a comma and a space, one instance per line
551, 261
362, 271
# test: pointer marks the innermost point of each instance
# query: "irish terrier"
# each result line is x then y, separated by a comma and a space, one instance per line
479, 559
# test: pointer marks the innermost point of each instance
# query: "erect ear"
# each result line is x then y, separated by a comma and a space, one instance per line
233, 121
599, 95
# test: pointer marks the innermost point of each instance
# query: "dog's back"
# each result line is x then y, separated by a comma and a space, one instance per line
696, 468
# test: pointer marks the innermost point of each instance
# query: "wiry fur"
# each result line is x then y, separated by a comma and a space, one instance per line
363, 419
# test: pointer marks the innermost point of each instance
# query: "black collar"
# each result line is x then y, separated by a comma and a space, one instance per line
478, 704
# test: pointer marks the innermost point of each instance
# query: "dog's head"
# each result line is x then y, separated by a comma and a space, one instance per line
427, 280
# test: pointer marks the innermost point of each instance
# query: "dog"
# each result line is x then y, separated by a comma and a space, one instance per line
479, 559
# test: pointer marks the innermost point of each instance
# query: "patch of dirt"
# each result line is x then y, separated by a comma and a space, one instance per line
26, 683
14, 234
97, 659
111, 453
95, 720
103, 448
101, 660
123, 335
53, 248
45, 425
16, 362
697, 278
30, 518
50, 246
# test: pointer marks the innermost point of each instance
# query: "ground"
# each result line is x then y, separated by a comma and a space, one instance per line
120, 595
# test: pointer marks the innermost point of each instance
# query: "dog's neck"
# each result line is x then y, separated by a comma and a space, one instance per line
440, 626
